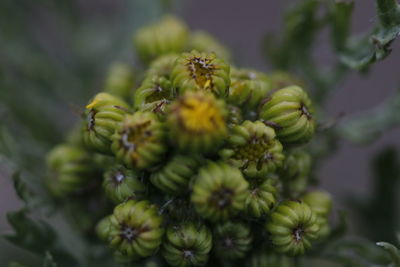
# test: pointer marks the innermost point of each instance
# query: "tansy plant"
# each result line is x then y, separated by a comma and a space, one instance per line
197, 161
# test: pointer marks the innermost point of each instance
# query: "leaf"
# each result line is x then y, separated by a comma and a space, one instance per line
362, 52
22, 190
378, 215
366, 127
35, 236
392, 250
340, 19
49, 261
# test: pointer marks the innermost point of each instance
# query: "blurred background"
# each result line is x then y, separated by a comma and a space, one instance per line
54, 52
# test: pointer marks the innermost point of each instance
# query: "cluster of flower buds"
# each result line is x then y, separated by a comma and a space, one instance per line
201, 161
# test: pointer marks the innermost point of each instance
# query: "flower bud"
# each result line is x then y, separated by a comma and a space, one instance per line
154, 94
121, 183
197, 122
120, 80
135, 229
291, 111
187, 244
320, 203
103, 228
219, 191
203, 41
196, 71
263, 195
103, 113
162, 66
234, 116
281, 80
248, 88
139, 140
169, 35
156, 91
70, 169
232, 240
253, 147
292, 227
295, 173
175, 176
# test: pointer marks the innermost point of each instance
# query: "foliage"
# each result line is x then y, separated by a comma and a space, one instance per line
32, 68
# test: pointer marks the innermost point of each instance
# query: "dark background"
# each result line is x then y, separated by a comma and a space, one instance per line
240, 25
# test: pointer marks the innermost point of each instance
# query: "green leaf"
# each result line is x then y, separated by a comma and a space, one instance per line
340, 19
378, 215
392, 250
22, 190
49, 261
388, 13
35, 236
366, 127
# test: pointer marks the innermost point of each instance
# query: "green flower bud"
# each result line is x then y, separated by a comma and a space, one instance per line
154, 95
139, 141
121, 183
248, 88
234, 116
103, 228
196, 71
281, 80
232, 240
295, 173
175, 176
262, 198
292, 227
219, 191
169, 35
162, 66
320, 203
135, 229
203, 41
156, 91
253, 147
291, 111
187, 244
120, 80
70, 168
197, 122
103, 113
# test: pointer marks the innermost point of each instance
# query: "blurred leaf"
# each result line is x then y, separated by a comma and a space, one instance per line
392, 250
356, 253
378, 215
22, 190
340, 17
35, 236
49, 261
293, 52
368, 126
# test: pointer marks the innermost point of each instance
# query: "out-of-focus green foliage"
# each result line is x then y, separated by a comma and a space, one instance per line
53, 54
304, 22
365, 127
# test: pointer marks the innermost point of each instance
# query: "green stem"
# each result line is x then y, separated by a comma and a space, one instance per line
388, 13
